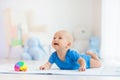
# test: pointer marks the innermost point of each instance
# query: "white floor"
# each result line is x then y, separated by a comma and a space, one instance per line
7, 66
53, 77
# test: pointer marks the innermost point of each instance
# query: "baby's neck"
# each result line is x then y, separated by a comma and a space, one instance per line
61, 54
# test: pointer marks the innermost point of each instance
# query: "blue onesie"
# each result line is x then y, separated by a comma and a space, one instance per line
70, 62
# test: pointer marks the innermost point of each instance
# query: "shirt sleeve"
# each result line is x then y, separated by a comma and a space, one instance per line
75, 55
52, 58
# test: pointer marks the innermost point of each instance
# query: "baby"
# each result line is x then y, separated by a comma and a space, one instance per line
68, 59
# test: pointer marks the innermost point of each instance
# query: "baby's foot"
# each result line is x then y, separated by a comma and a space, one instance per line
89, 52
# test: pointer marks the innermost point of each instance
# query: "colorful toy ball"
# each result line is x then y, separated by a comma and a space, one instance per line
20, 66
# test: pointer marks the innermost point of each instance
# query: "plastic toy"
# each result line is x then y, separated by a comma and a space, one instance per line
20, 66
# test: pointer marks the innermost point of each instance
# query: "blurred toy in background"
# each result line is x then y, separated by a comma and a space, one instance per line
94, 45
33, 49
20, 66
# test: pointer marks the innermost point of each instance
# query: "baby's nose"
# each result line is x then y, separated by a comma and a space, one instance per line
56, 39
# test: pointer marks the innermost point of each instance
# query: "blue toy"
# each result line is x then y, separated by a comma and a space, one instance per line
94, 45
33, 49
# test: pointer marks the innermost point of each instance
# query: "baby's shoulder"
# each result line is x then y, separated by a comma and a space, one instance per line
72, 52
54, 53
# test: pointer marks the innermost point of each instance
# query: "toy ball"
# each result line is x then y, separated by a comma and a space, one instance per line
20, 66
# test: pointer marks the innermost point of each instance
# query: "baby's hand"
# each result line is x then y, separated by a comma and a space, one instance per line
82, 68
43, 67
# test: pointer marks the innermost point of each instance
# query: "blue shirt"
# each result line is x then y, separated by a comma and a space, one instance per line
70, 62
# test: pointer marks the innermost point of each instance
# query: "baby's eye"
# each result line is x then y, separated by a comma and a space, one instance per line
54, 38
60, 37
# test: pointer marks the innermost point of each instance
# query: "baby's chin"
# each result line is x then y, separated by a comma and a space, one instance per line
60, 48
55, 46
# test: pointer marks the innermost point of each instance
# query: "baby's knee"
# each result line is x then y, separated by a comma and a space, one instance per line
95, 63
98, 64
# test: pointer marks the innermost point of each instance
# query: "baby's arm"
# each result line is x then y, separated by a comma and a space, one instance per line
82, 63
46, 66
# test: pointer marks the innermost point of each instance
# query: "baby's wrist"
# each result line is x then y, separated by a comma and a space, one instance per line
83, 66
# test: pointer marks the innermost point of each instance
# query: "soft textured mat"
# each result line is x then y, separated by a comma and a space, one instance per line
110, 71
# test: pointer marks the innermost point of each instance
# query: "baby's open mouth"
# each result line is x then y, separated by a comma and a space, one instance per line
55, 43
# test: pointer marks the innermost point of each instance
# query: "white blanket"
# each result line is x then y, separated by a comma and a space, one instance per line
34, 69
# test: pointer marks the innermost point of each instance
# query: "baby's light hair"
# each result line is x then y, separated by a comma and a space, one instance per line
68, 35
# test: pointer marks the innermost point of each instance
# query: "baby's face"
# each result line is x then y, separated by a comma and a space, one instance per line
60, 41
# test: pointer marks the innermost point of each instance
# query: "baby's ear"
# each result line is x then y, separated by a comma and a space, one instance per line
69, 44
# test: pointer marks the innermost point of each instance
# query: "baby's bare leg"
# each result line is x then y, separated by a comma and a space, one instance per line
93, 55
95, 61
